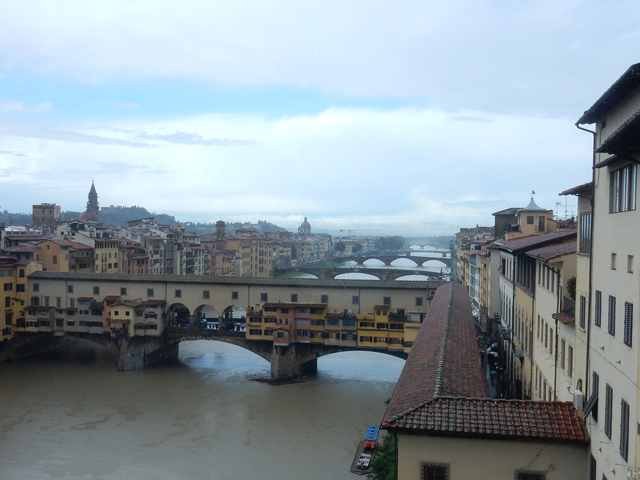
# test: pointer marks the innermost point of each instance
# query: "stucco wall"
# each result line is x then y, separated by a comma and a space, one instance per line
490, 459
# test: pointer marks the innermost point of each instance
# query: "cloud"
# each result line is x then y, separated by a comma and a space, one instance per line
506, 57
15, 106
12, 153
185, 138
70, 137
406, 170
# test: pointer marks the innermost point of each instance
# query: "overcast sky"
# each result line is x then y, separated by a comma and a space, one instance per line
410, 117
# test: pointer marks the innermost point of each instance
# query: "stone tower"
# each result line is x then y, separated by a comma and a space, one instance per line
92, 204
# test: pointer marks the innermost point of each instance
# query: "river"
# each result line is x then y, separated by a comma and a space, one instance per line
73, 417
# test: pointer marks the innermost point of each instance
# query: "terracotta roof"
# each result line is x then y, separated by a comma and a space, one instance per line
629, 80
492, 418
553, 251
534, 241
445, 359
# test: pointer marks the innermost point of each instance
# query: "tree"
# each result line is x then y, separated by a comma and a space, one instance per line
383, 466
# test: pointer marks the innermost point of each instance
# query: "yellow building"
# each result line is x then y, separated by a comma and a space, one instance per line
119, 316
65, 256
108, 257
8, 274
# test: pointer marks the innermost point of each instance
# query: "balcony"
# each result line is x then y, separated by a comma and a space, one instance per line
567, 313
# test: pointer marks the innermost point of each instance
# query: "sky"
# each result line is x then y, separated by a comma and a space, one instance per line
405, 117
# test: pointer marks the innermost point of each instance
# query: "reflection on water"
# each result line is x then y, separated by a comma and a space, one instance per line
77, 418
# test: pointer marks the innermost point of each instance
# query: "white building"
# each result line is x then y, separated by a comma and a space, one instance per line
612, 355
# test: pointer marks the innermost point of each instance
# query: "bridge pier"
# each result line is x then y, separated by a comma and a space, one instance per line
139, 353
292, 362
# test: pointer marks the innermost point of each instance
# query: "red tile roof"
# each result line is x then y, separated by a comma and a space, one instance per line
553, 251
445, 359
491, 418
442, 389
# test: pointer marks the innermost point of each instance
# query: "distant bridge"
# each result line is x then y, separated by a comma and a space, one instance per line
384, 274
388, 259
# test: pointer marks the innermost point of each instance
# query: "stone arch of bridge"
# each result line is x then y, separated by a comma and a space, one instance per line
261, 349
178, 315
370, 276
330, 351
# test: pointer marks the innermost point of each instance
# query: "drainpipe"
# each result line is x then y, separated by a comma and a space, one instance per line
593, 211
532, 331
555, 356
511, 320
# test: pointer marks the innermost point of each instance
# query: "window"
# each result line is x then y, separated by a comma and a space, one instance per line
36, 287
541, 224
570, 362
58, 302
530, 219
622, 189
264, 297
595, 388
55, 259
96, 290
585, 233
324, 298
294, 297
418, 301
234, 295
387, 301
46, 300
628, 324
355, 300
598, 312
206, 294
7, 302
123, 290
608, 412
583, 311
149, 292
613, 261
612, 315
593, 467
551, 341
563, 351
434, 471
629, 263
530, 475
69, 288
624, 430
177, 293
21, 273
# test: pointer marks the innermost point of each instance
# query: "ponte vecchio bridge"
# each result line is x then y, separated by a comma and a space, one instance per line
289, 322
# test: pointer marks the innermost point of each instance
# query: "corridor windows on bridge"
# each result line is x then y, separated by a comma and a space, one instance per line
69, 288
355, 300
149, 292
294, 298
234, 295
324, 298
206, 294
419, 301
36, 287
386, 301
96, 290
177, 293
264, 297
123, 291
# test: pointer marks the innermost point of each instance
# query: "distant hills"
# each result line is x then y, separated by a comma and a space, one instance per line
119, 216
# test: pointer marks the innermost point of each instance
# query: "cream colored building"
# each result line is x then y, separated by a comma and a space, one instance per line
584, 193
555, 322
613, 354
